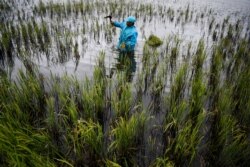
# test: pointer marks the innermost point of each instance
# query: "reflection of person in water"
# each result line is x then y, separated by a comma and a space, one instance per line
76, 56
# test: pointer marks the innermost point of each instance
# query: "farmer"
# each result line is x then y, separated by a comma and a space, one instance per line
128, 36
126, 46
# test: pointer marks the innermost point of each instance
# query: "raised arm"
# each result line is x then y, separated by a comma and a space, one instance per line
118, 24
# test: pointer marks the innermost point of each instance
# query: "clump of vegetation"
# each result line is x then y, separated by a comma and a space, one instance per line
154, 41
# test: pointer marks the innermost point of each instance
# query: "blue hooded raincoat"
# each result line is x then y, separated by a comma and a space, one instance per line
128, 35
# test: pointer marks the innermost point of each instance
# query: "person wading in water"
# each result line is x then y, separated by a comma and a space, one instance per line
126, 45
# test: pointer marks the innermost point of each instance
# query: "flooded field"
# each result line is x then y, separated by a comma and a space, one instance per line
67, 97
84, 33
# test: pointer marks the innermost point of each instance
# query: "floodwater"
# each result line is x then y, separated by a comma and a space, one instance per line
91, 41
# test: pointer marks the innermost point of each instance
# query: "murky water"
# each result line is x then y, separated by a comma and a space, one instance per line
93, 34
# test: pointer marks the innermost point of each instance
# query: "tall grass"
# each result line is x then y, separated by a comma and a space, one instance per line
182, 133
87, 139
128, 135
68, 122
121, 99
198, 87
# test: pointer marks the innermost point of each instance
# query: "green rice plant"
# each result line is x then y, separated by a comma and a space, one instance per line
241, 92
7, 43
39, 36
58, 118
22, 147
155, 63
184, 147
46, 35
100, 73
25, 35
146, 56
150, 65
55, 9
13, 31
199, 58
87, 138
9, 106
72, 111
174, 53
62, 52
58, 124
5, 84
214, 78
178, 87
26, 58
121, 100
29, 96
174, 121
20, 143
162, 162
41, 8
214, 115
197, 98
31, 33
68, 8
100, 84
88, 101
93, 98
219, 130
156, 92
139, 85
239, 61
236, 150
175, 116
52, 117
94, 92
109, 163
66, 98
159, 81
127, 137
228, 144
61, 101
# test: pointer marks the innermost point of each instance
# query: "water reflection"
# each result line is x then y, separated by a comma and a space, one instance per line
76, 56
125, 63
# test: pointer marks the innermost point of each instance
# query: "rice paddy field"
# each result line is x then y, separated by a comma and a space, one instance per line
68, 99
